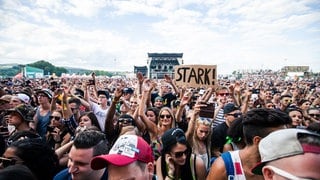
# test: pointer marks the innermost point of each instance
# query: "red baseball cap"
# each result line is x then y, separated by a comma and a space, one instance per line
126, 150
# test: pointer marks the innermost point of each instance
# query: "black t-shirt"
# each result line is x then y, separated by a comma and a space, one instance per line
219, 134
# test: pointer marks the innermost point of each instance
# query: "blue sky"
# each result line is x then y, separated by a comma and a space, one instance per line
118, 34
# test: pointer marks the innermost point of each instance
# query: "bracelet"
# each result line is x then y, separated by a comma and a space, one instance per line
170, 177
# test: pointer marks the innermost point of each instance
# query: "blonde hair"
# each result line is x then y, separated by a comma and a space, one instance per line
173, 119
195, 145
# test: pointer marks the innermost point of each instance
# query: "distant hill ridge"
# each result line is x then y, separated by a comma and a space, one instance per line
70, 69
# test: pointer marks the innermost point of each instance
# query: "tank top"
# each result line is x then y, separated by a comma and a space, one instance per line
232, 160
43, 122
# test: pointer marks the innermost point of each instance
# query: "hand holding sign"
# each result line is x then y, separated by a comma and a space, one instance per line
196, 75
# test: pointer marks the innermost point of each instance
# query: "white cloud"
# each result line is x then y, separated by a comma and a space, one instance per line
106, 34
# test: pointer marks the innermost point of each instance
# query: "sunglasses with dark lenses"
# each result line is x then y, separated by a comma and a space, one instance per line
314, 115
72, 109
235, 115
167, 116
57, 118
180, 154
287, 100
125, 120
224, 94
7, 162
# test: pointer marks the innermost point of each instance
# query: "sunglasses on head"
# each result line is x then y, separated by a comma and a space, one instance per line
204, 121
57, 118
167, 116
7, 162
180, 154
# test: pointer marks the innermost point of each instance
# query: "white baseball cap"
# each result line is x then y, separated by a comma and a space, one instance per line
284, 143
23, 97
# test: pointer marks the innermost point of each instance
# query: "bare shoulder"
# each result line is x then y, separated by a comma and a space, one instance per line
217, 170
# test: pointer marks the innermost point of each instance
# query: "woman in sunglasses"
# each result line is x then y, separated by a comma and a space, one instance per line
176, 160
57, 133
165, 120
33, 153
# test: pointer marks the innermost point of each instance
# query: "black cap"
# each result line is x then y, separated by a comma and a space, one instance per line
104, 92
128, 90
228, 108
171, 137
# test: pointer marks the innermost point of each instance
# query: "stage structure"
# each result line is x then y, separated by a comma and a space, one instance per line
160, 64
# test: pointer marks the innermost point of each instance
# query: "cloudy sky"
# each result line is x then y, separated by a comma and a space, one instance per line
118, 34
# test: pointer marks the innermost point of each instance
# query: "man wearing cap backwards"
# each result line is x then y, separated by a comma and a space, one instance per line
19, 99
289, 154
257, 124
129, 158
87, 145
219, 133
124, 103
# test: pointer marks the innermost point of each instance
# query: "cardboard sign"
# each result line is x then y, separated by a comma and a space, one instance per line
196, 75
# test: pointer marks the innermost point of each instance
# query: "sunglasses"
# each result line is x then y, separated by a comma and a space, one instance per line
167, 116
181, 153
125, 120
224, 94
57, 118
287, 100
204, 121
315, 115
7, 162
72, 109
235, 115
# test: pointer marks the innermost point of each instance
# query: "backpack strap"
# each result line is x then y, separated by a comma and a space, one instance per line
228, 164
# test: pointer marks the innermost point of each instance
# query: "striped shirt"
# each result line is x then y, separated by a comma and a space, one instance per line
219, 118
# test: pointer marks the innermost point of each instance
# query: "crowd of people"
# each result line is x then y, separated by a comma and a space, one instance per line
140, 128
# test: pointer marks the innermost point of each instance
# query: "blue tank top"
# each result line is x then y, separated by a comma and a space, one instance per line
43, 122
